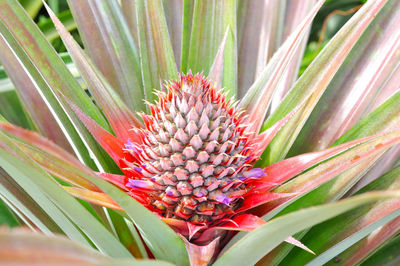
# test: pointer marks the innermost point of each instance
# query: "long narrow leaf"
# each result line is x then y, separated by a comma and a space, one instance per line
121, 119
111, 47
316, 78
26, 174
356, 84
338, 234
157, 58
265, 238
33, 102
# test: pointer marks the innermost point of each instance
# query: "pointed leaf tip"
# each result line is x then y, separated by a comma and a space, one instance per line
216, 70
118, 114
294, 241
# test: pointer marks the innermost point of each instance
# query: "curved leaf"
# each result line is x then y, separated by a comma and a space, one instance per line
109, 44
30, 176
359, 81
120, 117
265, 238
157, 58
316, 78
257, 99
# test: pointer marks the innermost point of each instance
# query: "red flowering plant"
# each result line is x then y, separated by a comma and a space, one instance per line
219, 169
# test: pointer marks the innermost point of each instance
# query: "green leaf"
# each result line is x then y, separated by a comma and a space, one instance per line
262, 240
52, 78
387, 255
157, 58
134, 245
7, 218
210, 21
43, 56
372, 64
13, 111
230, 68
374, 220
340, 233
32, 7
161, 239
42, 118
120, 117
173, 10
47, 27
384, 117
344, 245
314, 81
110, 45
187, 19
24, 247
164, 243
258, 98
25, 175
33, 212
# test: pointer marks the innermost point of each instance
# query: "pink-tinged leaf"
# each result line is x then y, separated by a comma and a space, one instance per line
265, 138
286, 169
350, 163
119, 116
243, 222
294, 241
129, 10
209, 23
24, 247
109, 44
98, 198
53, 78
50, 156
352, 233
315, 80
357, 84
113, 146
156, 53
255, 17
59, 167
264, 239
372, 242
193, 229
118, 180
31, 99
41, 142
179, 226
387, 161
173, 13
390, 87
25, 207
258, 198
228, 8
296, 11
262, 27
200, 255
325, 171
216, 70
257, 99
43, 57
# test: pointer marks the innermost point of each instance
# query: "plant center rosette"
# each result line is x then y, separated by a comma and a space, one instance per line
192, 163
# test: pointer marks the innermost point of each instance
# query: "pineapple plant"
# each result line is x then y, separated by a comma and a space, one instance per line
181, 133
